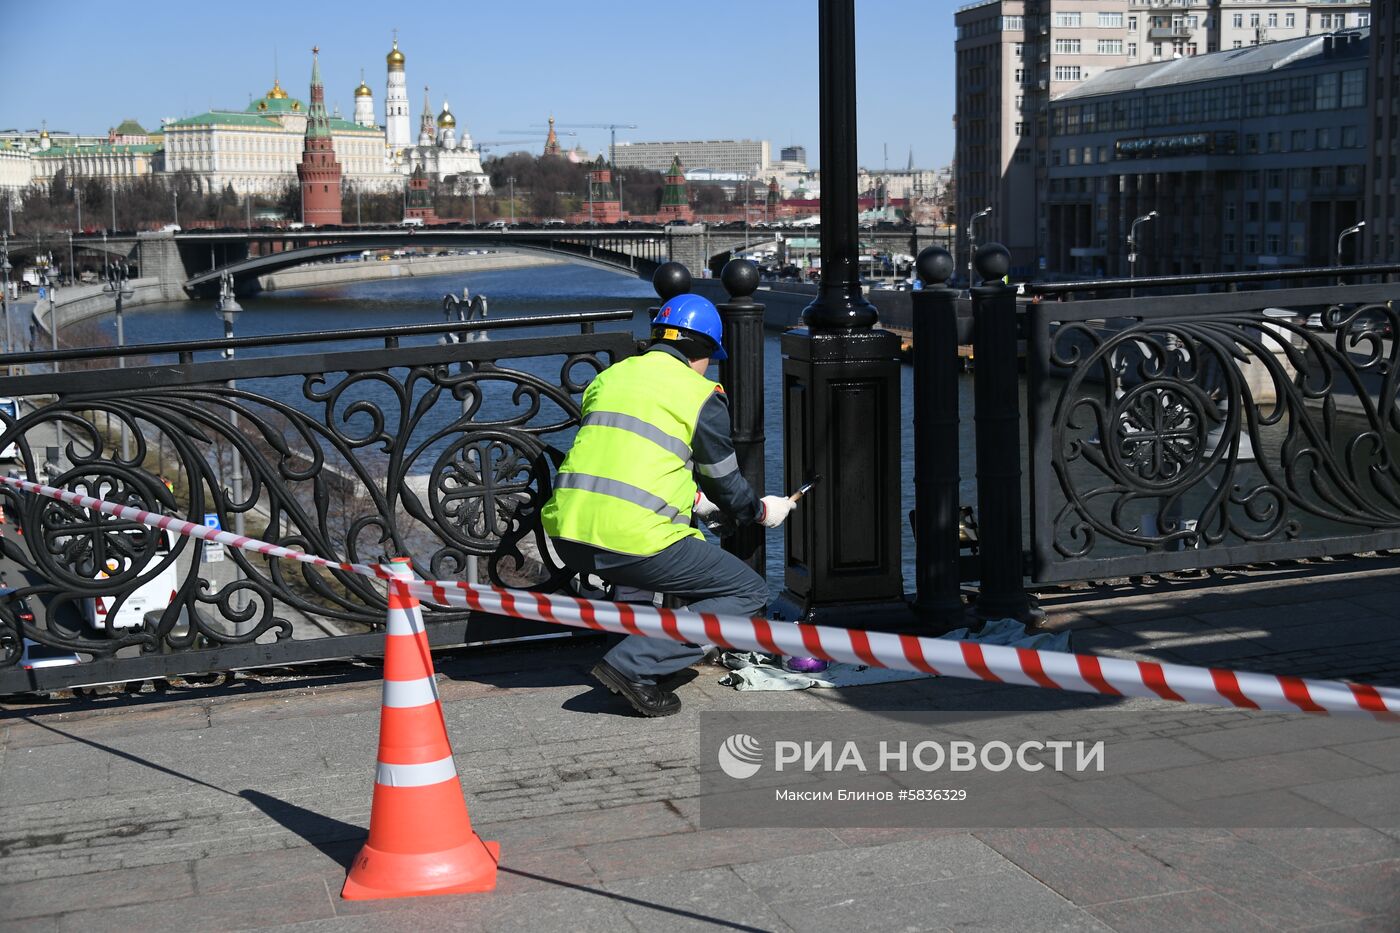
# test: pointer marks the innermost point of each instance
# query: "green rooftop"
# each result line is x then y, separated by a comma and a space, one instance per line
56, 152
225, 118
131, 128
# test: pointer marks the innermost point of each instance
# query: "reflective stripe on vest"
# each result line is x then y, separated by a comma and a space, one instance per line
626, 485
623, 491
613, 419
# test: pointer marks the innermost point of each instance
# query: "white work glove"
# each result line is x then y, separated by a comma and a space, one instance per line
775, 510
712, 517
704, 509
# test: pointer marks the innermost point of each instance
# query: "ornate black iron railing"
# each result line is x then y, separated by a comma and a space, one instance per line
440, 451
1182, 432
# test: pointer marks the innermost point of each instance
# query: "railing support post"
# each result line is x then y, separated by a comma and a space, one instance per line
841, 396
742, 376
998, 415
936, 478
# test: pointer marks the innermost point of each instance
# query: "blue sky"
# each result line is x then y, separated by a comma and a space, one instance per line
679, 70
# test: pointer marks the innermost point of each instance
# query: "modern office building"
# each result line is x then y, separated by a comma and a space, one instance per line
1013, 56
1251, 158
741, 156
1381, 235
793, 154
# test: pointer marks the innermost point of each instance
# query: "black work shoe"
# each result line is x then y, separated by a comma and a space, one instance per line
647, 699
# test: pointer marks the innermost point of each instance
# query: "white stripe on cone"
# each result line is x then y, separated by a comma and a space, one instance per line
405, 621
1193, 684
430, 772
406, 694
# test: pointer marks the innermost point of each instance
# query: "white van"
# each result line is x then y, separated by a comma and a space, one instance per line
152, 595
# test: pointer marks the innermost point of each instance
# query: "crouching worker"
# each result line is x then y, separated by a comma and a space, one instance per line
624, 496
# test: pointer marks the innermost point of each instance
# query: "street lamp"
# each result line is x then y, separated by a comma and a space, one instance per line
116, 285
476, 186
972, 241
236, 460
112, 187
175, 200
511, 181
78, 200
1355, 228
1133, 243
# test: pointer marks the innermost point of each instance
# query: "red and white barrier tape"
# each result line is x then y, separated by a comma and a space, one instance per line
190, 529
1056, 670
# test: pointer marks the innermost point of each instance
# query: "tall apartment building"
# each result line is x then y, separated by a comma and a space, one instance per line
1381, 208
1013, 56
1163, 29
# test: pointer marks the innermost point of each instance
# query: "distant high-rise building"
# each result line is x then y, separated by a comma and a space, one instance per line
1013, 56
793, 154
739, 156
1381, 207
319, 171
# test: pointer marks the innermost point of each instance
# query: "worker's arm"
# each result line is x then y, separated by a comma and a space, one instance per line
717, 466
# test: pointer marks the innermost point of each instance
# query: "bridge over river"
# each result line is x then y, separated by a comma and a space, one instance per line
200, 258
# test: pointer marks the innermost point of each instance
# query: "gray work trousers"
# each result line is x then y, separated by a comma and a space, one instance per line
703, 577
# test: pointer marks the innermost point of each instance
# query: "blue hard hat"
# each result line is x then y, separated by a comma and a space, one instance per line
693, 313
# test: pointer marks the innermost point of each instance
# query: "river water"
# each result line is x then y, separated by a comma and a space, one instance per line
542, 290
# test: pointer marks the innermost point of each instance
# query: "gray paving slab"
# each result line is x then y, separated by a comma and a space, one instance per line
1198, 911
708, 900
1313, 850
1086, 866
1250, 878
1371, 801
995, 901
835, 873
248, 909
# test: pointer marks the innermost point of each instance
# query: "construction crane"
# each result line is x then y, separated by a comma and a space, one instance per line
612, 129
489, 144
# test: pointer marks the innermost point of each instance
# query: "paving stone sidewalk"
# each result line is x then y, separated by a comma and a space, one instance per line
240, 806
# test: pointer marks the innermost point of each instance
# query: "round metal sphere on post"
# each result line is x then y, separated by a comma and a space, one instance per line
670, 279
934, 265
740, 278
992, 261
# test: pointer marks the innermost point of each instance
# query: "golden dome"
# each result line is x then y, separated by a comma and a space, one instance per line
446, 119
363, 90
395, 57
276, 93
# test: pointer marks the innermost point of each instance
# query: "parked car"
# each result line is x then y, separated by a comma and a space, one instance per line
153, 594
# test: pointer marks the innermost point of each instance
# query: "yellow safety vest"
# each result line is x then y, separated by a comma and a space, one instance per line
626, 485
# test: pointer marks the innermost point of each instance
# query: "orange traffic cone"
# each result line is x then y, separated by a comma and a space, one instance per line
421, 839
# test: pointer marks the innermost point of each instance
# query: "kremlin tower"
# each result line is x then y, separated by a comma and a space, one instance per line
427, 132
675, 201
396, 138
364, 103
551, 143
319, 171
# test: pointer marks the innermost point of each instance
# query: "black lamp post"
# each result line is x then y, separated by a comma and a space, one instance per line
841, 396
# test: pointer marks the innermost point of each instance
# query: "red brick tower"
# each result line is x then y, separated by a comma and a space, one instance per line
319, 171
604, 206
675, 199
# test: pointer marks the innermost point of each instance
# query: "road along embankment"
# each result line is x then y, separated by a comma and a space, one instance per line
338, 273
